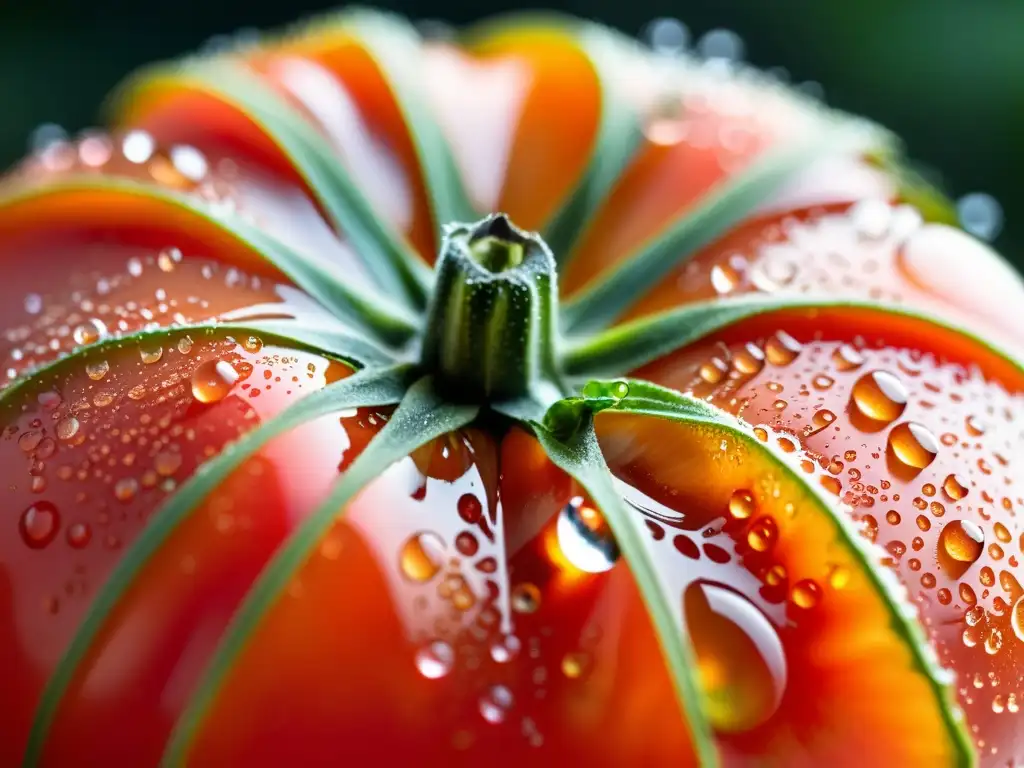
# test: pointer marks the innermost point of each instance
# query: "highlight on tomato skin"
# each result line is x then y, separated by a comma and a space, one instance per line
842, 562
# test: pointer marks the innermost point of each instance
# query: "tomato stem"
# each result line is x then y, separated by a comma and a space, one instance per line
491, 330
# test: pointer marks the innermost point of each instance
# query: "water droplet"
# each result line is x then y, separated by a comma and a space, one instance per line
422, 556
1002, 533
125, 489
168, 259
823, 382
585, 539
33, 303
97, 370
435, 660
741, 504
470, 508
880, 396
748, 360
713, 370
724, 279
212, 380
721, 44
151, 354
975, 426
39, 524
89, 332
762, 534
166, 463
467, 544
847, 358
961, 543
79, 535
871, 218
782, 349
67, 429
775, 576
505, 648
253, 344
574, 664
987, 577
525, 598
1017, 618
981, 215
667, 35
955, 487
993, 641
185, 345
967, 594
892, 517
495, 704
740, 658
913, 445
805, 594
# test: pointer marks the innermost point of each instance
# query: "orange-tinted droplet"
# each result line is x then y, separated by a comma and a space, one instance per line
39, 524
762, 534
713, 370
913, 445
782, 349
741, 504
847, 358
880, 396
79, 535
422, 556
525, 598
740, 658
1017, 618
955, 487
961, 543
748, 360
1002, 533
805, 594
470, 508
212, 380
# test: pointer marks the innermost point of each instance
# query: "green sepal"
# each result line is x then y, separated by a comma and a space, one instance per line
362, 389
390, 260
601, 302
422, 416
578, 453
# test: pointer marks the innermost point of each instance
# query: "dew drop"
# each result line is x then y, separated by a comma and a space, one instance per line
495, 704
880, 396
1017, 618
585, 538
782, 349
847, 358
166, 463
505, 648
573, 665
762, 534
724, 279
955, 487
1002, 533
467, 544
805, 594
469, 508
748, 360
98, 370
961, 543
741, 504
185, 345
913, 445
212, 380
525, 598
39, 524
740, 658
422, 556
89, 332
125, 489
79, 535
975, 426
253, 344
713, 370
168, 259
435, 660
68, 429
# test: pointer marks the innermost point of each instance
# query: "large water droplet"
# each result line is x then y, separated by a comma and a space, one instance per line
961, 543
422, 556
880, 396
97, 370
782, 349
585, 539
913, 445
741, 504
212, 380
740, 657
39, 524
435, 660
89, 332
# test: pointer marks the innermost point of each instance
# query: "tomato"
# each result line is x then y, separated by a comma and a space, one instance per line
311, 457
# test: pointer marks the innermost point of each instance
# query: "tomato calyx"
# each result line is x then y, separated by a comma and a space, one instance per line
492, 321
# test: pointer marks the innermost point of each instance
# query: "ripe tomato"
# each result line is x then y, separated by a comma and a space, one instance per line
309, 460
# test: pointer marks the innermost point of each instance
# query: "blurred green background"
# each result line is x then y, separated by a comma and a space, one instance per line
947, 75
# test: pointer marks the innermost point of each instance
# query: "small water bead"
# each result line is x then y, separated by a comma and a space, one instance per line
1017, 618
68, 429
89, 332
724, 279
740, 658
495, 704
39, 524
763, 534
761, 434
993, 641
667, 35
782, 349
467, 544
185, 345
525, 598
880, 396
980, 214
253, 344
823, 382
821, 420
847, 358
775, 575
928, 580
422, 556
892, 517
913, 445
713, 370
585, 539
805, 594
917, 543
967, 594
505, 648
125, 489
944, 596
748, 360
975, 426
166, 463
469, 508
212, 380
151, 354
961, 543
79, 535
97, 370
955, 487
987, 577
995, 551
1002, 533
574, 664
435, 660
924, 523
30, 440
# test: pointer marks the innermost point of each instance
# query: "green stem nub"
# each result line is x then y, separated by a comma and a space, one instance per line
491, 331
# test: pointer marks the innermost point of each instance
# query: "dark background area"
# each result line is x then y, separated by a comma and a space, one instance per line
947, 75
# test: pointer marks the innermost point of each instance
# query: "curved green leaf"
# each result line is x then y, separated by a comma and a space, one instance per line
324, 281
364, 388
389, 259
421, 417
395, 45
333, 340
644, 398
578, 454
599, 304
627, 347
